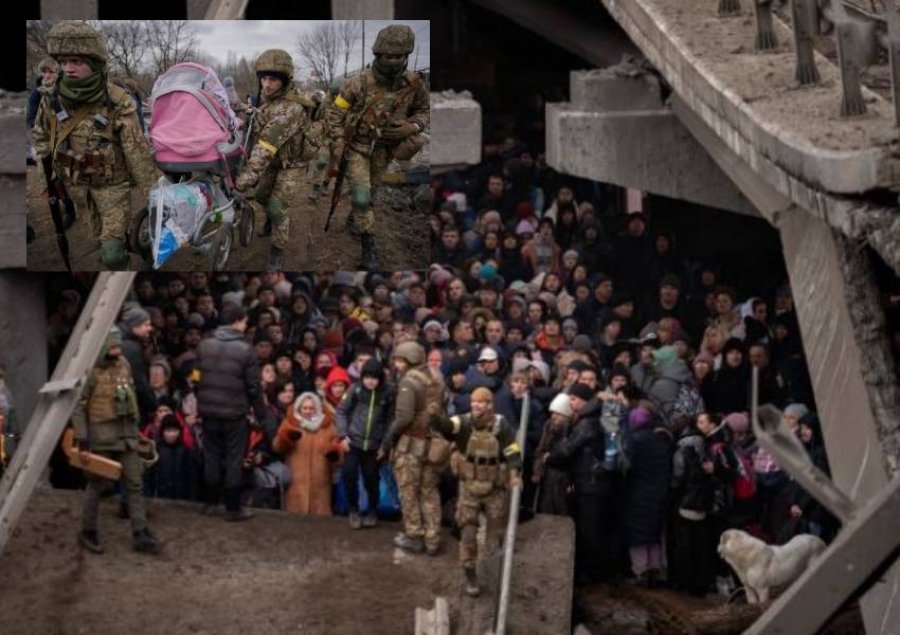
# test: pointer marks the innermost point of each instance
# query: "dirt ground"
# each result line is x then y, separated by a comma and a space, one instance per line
628, 610
276, 573
401, 236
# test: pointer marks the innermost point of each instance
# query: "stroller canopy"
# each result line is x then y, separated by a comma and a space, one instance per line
191, 116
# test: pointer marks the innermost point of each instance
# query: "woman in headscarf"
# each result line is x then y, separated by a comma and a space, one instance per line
308, 441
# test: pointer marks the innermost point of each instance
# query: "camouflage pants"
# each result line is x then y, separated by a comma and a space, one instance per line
132, 472
364, 174
277, 192
107, 210
420, 501
468, 506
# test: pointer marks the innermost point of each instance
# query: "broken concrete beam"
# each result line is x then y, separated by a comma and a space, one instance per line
616, 88
362, 9
455, 129
649, 150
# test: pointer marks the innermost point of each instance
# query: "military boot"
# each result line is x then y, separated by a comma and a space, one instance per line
146, 542
265, 230
350, 226
369, 255
316, 191
408, 543
276, 259
472, 588
91, 541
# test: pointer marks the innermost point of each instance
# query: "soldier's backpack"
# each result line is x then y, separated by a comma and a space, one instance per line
438, 452
483, 469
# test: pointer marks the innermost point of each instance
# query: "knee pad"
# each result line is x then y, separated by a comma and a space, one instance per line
275, 211
112, 254
359, 197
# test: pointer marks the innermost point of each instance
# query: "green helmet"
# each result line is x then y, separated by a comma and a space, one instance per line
113, 338
411, 351
397, 39
76, 37
276, 61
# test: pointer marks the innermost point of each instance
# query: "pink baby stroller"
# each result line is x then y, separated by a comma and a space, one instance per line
198, 144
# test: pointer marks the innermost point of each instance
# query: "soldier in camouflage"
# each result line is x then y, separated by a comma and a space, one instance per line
280, 150
322, 168
488, 463
417, 476
106, 423
90, 128
380, 114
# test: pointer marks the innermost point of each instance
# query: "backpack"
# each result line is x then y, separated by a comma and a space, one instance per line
688, 402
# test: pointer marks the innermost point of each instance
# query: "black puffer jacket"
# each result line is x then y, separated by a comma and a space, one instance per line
229, 376
580, 453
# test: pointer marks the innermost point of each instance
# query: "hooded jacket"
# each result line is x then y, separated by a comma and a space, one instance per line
229, 376
581, 451
363, 414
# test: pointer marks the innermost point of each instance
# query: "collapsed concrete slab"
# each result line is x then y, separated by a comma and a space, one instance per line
616, 130
23, 338
455, 130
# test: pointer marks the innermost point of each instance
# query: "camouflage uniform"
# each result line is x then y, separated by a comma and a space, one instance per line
417, 476
106, 421
97, 145
490, 456
323, 166
275, 168
372, 107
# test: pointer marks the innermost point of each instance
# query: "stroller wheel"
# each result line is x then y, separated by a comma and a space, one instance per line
220, 247
247, 222
139, 234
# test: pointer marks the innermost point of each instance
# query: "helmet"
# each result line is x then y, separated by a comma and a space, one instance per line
276, 61
397, 39
113, 338
319, 96
411, 351
76, 37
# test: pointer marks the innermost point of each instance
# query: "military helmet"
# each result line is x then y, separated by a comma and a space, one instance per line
397, 39
76, 37
276, 61
411, 351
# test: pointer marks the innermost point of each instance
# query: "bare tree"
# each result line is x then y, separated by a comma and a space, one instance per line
170, 42
35, 45
348, 35
321, 48
127, 42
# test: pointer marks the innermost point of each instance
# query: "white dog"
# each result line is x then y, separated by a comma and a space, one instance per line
763, 567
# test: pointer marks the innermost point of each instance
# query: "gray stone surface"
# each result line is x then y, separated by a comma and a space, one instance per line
614, 89
455, 130
648, 150
23, 339
69, 9
12, 221
362, 9
196, 9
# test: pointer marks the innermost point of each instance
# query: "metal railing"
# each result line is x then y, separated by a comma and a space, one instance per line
862, 36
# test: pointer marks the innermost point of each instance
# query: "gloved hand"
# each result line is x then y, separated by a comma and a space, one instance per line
294, 435
398, 130
244, 183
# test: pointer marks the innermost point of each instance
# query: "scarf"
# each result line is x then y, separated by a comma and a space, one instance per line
75, 92
318, 417
386, 73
